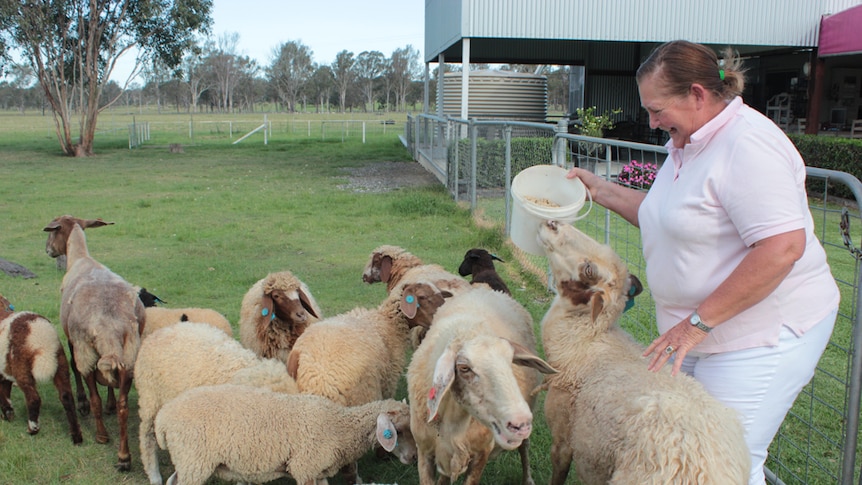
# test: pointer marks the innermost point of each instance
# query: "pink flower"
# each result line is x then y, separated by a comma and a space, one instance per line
637, 175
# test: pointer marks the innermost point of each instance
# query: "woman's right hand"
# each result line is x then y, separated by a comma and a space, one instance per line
591, 181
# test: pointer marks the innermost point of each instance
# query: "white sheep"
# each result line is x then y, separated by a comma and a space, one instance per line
102, 317
255, 435
275, 311
470, 386
161, 317
619, 422
31, 352
187, 355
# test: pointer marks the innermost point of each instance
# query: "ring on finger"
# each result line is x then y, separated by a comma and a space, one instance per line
669, 350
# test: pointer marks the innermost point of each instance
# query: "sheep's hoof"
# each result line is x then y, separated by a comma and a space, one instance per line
32, 428
8, 414
84, 409
102, 439
124, 464
77, 439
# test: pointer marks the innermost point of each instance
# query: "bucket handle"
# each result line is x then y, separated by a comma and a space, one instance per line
589, 207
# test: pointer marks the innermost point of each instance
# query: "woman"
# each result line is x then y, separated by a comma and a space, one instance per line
745, 300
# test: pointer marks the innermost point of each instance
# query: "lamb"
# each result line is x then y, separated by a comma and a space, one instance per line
480, 263
619, 422
102, 318
160, 317
275, 311
187, 355
255, 435
470, 386
31, 352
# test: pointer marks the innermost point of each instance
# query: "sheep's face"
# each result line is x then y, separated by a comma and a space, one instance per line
292, 307
477, 257
59, 229
398, 420
6, 308
479, 374
420, 301
379, 266
586, 272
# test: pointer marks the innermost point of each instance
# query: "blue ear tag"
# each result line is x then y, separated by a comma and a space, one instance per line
11, 308
410, 299
272, 317
631, 301
387, 433
264, 312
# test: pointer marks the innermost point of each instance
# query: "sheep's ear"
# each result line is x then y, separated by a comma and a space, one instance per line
52, 226
385, 268
306, 303
497, 258
597, 304
636, 287
444, 375
527, 358
387, 436
266, 313
409, 305
85, 223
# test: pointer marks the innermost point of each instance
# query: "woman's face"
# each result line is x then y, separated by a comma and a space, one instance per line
677, 115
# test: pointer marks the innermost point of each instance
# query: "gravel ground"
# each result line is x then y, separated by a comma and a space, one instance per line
387, 176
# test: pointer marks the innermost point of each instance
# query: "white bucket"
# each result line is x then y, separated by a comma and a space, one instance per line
534, 185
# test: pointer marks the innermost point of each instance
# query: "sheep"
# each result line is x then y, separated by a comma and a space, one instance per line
102, 317
387, 264
186, 355
160, 317
275, 311
470, 386
60, 228
31, 352
250, 434
480, 263
619, 422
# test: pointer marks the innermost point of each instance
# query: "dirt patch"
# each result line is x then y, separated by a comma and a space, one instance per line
387, 176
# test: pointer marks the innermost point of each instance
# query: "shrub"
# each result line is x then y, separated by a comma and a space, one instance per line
833, 153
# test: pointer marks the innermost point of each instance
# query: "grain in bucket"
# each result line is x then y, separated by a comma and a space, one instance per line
542, 193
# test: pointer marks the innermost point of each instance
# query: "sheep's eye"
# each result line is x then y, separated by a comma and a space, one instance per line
464, 369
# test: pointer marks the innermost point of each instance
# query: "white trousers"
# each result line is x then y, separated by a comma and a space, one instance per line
762, 383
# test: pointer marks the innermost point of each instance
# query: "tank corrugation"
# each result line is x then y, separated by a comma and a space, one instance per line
498, 95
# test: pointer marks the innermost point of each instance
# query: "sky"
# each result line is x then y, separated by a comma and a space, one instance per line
326, 26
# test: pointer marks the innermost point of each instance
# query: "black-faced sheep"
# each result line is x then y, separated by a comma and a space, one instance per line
470, 385
254, 435
619, 422
187, 355
102, 318
161, 317
480, 263
31, 352
275, 312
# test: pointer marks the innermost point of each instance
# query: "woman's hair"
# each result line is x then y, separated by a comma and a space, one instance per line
681, 63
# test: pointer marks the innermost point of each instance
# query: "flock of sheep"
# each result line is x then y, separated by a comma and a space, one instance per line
264, 406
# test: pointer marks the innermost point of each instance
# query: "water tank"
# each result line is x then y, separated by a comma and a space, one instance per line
498, 95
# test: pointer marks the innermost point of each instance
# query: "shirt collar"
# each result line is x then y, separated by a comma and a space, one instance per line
702, 136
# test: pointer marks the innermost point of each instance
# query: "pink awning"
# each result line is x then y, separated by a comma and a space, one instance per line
840, 33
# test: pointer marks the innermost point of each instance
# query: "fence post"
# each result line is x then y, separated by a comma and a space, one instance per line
507, 135
474, 134
363, 131
457, 162
558, 153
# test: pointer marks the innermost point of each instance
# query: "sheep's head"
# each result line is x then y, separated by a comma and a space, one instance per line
287, 301
474, 257
587, 272
420, 301
479, 375
393, 432
59, 229
379, 266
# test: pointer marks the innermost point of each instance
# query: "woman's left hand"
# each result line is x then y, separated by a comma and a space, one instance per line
678, 341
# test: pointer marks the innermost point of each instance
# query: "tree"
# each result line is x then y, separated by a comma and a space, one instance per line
405, 68
343, 73
290, 71
73, 46
369, 67
321, 86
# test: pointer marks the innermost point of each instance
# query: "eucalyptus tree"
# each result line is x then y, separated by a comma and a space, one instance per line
344, 74
291, 69
74, 45
321, 86
370, 66
405, 69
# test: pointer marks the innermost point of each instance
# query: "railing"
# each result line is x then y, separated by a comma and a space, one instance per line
818, 441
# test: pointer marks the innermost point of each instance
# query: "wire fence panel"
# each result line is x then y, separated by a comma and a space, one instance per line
818, 441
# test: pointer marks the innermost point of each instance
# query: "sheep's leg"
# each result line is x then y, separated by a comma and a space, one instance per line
124, 457
6, 411
96, 408
476, 468
64, 389
427, 468
27, 384
561, 460
350, 473
83, 408
147, 437
110, 402
524, 451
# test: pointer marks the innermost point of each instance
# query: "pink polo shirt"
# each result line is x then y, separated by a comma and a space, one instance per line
740, 180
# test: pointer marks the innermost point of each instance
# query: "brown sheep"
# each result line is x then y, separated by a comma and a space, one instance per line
31, 352
275, 312
102, 317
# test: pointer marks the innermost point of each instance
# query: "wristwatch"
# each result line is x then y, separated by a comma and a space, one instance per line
696, 321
